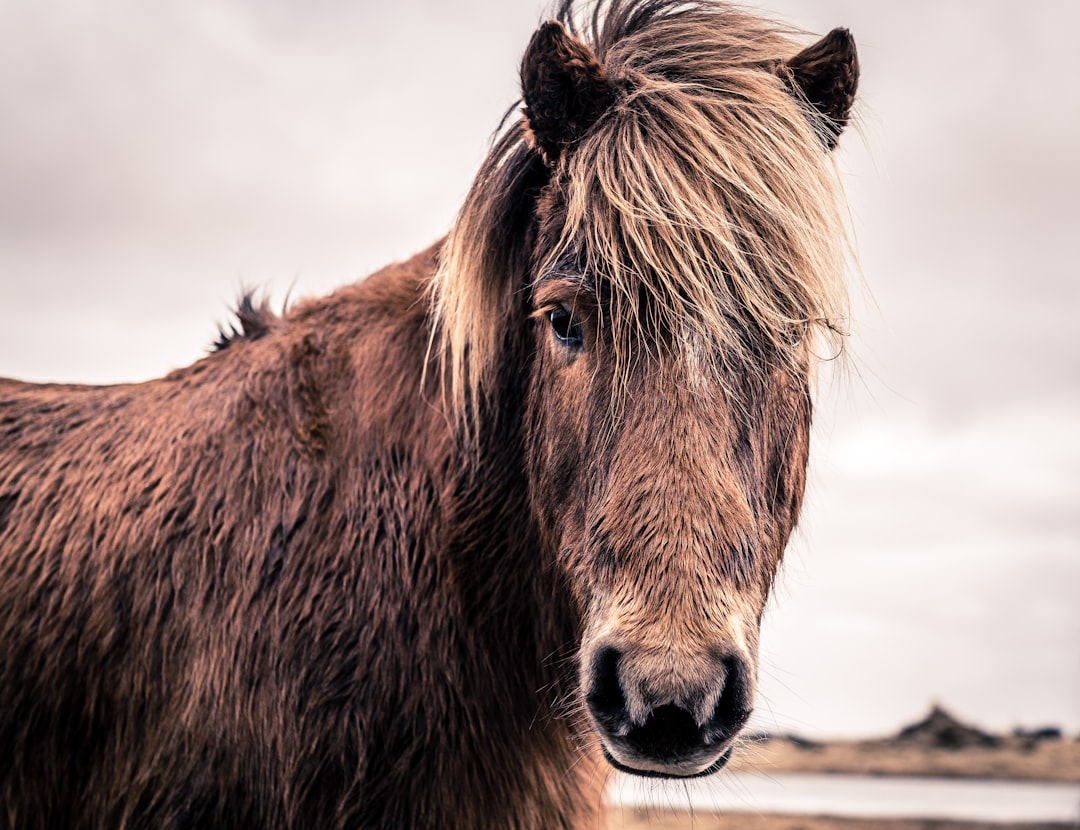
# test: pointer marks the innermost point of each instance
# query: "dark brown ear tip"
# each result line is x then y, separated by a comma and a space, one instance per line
550, 31
564, 88
836, 48
842, 43
545, 40
827, 73
535, 79
546, 45
841, 35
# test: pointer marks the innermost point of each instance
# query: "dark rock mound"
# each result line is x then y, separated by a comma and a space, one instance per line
940, 730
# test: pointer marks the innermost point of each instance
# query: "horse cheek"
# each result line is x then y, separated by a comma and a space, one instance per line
787, 427
555, 453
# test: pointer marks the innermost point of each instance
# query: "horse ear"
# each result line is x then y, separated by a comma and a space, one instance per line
827, 74
565, 90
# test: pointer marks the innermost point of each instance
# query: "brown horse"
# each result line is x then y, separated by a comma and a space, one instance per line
423, 552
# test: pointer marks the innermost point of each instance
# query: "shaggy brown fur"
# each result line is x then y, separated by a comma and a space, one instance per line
292, 586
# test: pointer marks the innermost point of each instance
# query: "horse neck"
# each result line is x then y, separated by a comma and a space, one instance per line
488, 544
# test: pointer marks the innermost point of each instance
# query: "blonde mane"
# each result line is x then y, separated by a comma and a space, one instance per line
703, 200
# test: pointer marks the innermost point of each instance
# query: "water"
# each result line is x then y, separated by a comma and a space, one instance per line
856, 796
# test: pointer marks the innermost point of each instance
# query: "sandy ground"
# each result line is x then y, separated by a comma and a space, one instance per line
657, 820
1016, 759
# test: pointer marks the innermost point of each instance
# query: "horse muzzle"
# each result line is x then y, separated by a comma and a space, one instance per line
677, 725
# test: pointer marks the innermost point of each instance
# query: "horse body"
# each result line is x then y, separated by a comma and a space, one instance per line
422, 552
217, 649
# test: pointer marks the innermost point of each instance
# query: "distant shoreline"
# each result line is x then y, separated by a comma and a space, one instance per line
939, 746
1013, 759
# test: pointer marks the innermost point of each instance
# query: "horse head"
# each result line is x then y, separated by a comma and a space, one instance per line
679, 253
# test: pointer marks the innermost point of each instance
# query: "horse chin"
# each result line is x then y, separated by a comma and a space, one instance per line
653, 769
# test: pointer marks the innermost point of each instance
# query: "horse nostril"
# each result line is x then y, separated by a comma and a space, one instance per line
735, 704
606, 698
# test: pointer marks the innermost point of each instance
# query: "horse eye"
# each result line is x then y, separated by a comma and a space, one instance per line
796, 334
566, 328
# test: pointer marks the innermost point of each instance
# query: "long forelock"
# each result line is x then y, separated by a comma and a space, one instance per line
703, 201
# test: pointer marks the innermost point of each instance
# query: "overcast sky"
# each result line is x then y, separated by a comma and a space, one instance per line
155, 157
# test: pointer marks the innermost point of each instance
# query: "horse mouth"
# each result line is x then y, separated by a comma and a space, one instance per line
715, 767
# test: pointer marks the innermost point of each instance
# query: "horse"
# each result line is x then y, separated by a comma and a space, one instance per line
442, 548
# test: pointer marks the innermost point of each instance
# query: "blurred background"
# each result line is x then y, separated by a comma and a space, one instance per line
155, 158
